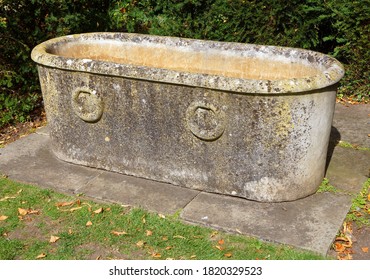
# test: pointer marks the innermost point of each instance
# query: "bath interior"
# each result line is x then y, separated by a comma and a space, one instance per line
228, 63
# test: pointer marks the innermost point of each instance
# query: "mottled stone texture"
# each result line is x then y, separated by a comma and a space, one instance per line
257, 141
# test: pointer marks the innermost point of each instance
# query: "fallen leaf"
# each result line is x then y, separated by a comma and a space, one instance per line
221, 242
3, 218
22, 211
18, 192
140, 243
74, 209
368, 197
228, 255
63, 204
149, 233
341, 238
118, 233
164, 238
156, 255
365, 249
162, 216
193, 256
338, 247
213, 234
168, 247
219, 247
345, 257
41, 256
108, 209
98, 211
179, 236
54, 239
7, 197
89, 223
238, 231
70, 231
198, 236
36, 212
143, 219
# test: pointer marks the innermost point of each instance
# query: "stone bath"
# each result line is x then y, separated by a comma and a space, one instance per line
244, 120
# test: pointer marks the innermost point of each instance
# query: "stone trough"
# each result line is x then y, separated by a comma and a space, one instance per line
244, 120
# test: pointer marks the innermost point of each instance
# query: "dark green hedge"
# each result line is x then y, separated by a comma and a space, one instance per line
24, 24
337, 27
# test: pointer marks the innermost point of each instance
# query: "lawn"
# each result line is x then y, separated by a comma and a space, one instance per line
38, 223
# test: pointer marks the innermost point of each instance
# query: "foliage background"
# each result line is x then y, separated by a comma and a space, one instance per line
340, 28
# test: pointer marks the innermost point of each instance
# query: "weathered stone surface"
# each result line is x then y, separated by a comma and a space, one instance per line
243, 120
352, 123
128, 190
31, 160
349, 169
310, 223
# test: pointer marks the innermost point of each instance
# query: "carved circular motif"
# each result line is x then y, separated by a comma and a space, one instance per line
205, 120
87, 104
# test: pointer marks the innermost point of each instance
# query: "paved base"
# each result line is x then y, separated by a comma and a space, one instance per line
310, 223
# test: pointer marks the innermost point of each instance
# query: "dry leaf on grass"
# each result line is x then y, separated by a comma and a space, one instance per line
179, 236
118, 233
162, 216
63, 204
41, 256
89, 223
73, 209
98, 211
140, 243
149, 233
22, 211
156, 255
228, 255
219, 247
3, 218
54, 239
7, 197
221, 242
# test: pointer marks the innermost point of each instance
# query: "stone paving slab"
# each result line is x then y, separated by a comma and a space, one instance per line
353, 123
310, 223
30, 160
348, 169
128, 190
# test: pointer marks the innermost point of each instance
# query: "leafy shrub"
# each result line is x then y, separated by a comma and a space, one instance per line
23, 25
351, 22
340, 28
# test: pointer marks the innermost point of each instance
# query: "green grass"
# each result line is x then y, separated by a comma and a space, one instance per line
345, 144
360, 209
138, 233
327, 187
